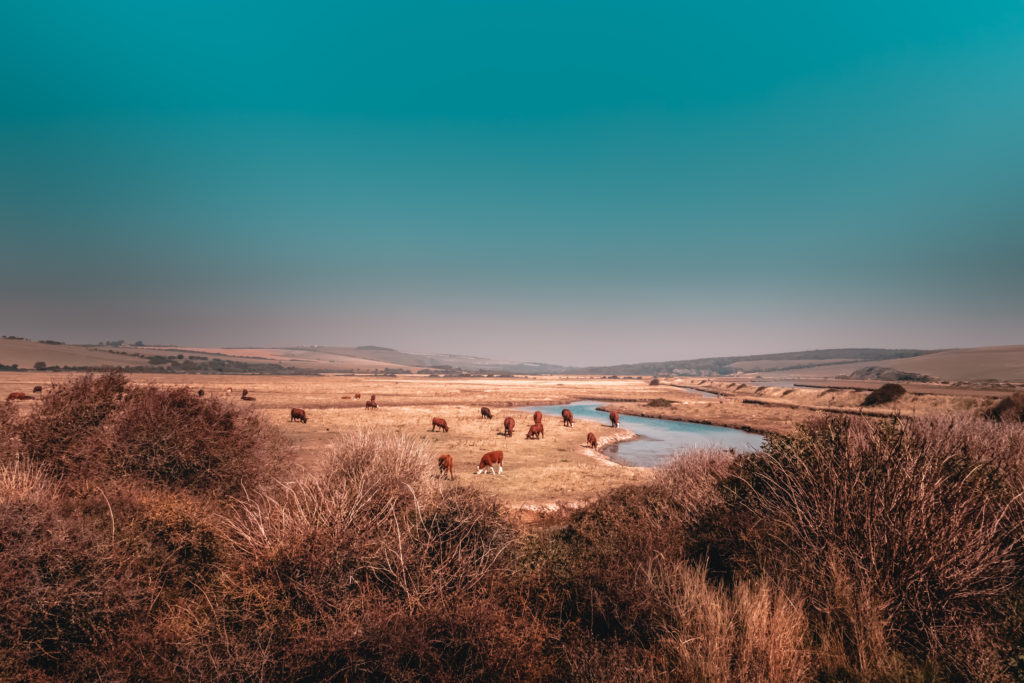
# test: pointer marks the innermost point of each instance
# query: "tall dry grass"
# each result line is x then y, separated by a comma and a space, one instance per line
904, 536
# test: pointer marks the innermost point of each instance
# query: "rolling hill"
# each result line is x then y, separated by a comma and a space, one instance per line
991, 364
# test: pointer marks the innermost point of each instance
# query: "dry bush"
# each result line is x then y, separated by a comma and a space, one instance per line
887, 393
98, 426
181, 440
1008, 409
366, 569
592, 570
68, 591
9, 444
901, 534
751, 631
62, 425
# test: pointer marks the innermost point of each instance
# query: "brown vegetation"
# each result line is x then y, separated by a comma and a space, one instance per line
1008, 409
887, 393
853, 550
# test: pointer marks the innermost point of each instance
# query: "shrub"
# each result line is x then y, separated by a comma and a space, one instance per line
902, 534
1008, 409
660, 403
70, 598
887, 393
174, 437
62, 427
655, 382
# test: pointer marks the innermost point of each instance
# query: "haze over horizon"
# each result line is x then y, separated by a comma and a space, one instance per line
560, 182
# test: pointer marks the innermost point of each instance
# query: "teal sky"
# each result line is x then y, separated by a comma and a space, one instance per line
575, 182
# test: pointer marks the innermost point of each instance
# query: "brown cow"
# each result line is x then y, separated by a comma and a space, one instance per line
566, 417
614, 417
18, 396
444, 464
371, 404
486, 412
245, 392
591, 440
348, 397
358, 396
537, 417
248, 398
373, 397
510, 424
536, 431
438, 422
37, 389
298, 414
490, 460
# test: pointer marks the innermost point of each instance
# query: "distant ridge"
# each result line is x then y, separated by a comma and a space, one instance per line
977, 364
768, 362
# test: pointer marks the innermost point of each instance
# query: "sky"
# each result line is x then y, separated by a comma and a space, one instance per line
565, 182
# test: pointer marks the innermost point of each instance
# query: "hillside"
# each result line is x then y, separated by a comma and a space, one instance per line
25, 353
987, 363
727, 365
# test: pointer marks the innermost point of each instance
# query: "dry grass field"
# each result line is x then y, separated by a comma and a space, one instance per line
556, 471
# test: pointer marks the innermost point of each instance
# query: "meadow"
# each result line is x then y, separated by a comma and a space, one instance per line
149, 533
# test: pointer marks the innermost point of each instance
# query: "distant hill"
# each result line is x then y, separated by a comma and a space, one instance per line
977, 364
437, 360
25, 353
728, 365
991, 364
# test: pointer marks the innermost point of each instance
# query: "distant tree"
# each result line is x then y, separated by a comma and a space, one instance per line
40, 365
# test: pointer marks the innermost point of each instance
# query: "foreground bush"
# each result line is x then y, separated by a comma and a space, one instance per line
902, 535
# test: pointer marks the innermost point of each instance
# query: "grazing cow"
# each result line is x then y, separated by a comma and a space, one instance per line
510, 424
566, 417
490, 460
536, 431
248, 398
298, 414
358, 396
444, 465
245, 392
348, 397
591, 440
371, 404
201, 393
18, 396
537, 417
439, 423
37, 389
614, 417
486, 412
373, 397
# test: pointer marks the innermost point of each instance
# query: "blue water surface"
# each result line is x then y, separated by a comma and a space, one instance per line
657, 440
